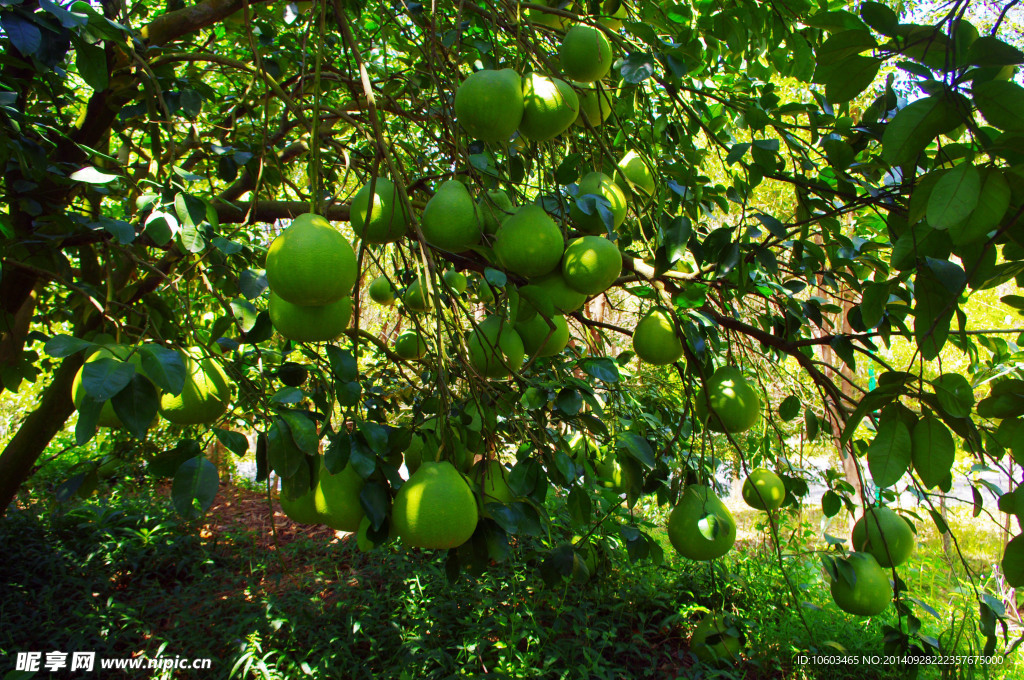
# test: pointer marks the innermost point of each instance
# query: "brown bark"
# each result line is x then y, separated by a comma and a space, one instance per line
41, 425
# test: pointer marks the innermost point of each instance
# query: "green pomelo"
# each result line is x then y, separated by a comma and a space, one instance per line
598, 184
549, 107
456, 281
205, 396
764, 490
885, 535
699, 508
735, 404
591, 264
596, 105
529, 243
414, 454
416, 298
411, 345
494, 483
435, 508
586, 54
382, 221
381, 291
495, 207
715, 639
564, 299
655, 340
336, 498
612, 13
495, 348
309, 324
107, 417
489, 104
871, 592
311, 263
553, 21
301, 509
623, 475
449, 220
538, 337
634, 173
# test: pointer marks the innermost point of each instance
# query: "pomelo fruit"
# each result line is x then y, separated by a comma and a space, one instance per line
591, 264
611, 14
620, 473
411, 345
764, 490
301, 509
598, 184
435, 508
495, 207
449, 220
120, 353
553, 21
382, 221
336, 498
529, 243
885, 535
538, 337
494, 483
735, 404
381, 291
586, 54
311, 263
495, 348
634, 173
456, 281
871, 592
564, 299
416, 298
205, 396
489, 104
699, 508
414, 454
655, 340
596, 105
309, 324
549, 107
716, 638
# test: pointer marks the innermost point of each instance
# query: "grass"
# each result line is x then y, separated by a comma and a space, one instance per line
122, 576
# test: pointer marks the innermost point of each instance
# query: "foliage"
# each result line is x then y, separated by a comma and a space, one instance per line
792, 209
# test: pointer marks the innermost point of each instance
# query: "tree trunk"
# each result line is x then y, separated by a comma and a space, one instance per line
37, 430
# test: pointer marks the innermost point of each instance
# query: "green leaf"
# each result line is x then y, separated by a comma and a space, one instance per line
811, 424
955, 394
195, 480
164, 366
916, 126
579, 506
789, 408
136, 405
954, 197
602, 368
991, 51
303, 431
104, 378
872, 303
676, 238
1013, 562
234, 441
934, 305
879, 17
91, 61
283, 456
889, 454
91, 175
161, 227
831, 503
60, 346
1002, 103
533, 398
375, 502
495, 277
343, 364
569, 401
251, 284
993, 203
638, 447
933, 451
850, 77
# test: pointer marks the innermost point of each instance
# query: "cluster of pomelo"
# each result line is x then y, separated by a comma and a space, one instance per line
204, 396
311, 269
